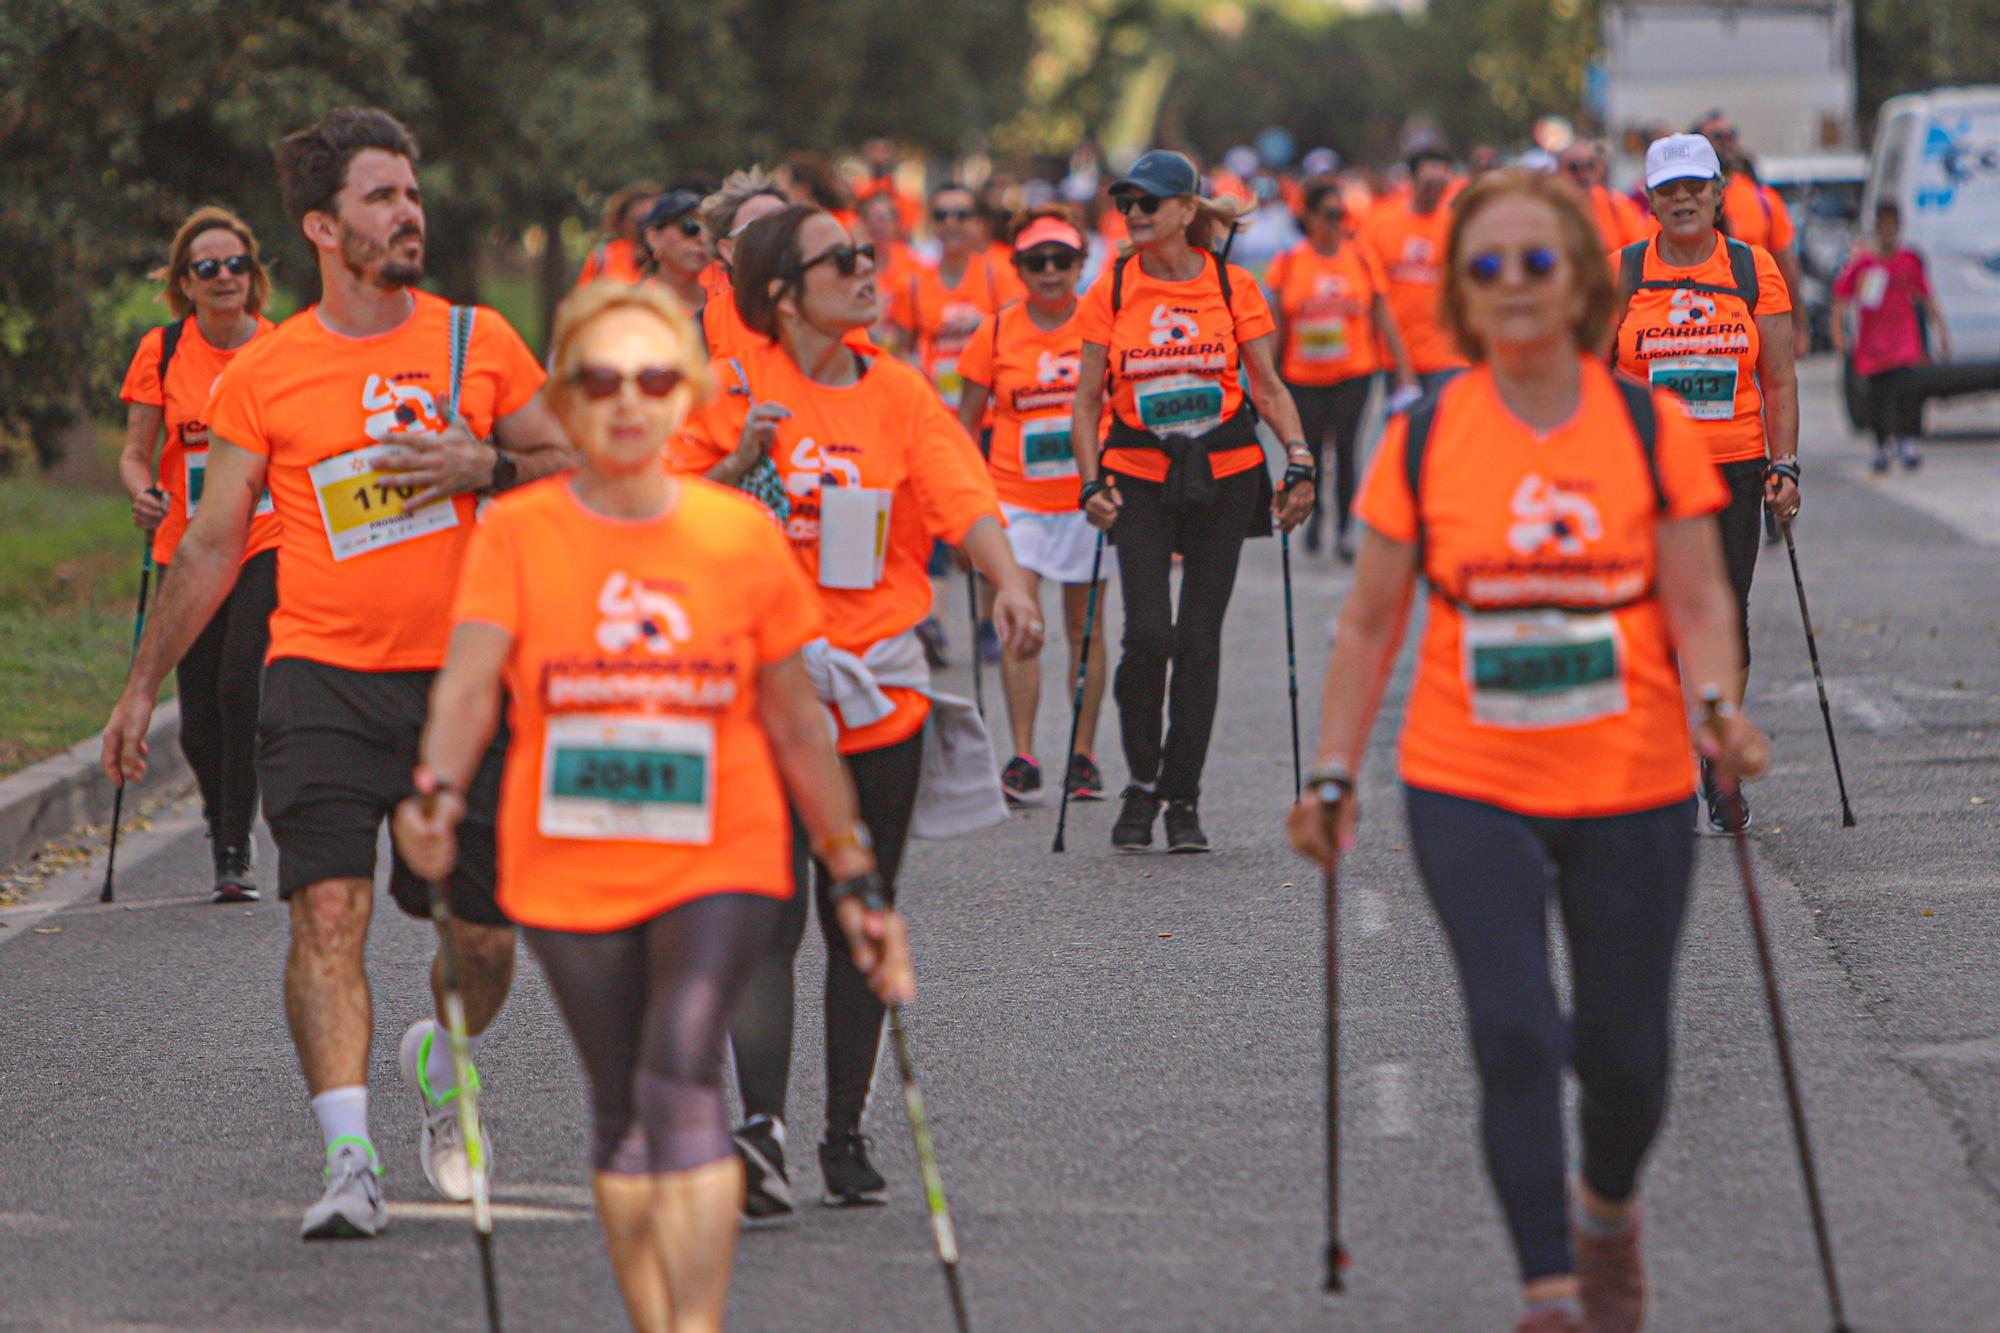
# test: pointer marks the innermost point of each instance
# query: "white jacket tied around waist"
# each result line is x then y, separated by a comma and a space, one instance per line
958, 790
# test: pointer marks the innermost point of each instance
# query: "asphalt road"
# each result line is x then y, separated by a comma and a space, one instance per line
1121, 1055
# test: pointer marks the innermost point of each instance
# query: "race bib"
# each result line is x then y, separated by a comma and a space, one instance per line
644, 779
853, 535
1874, 286
950, 384
1323, 339
1179, 405
363, 510
1706, 385
1045, 449
1532, 669
196, 471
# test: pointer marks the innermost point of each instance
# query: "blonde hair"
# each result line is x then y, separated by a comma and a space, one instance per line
180, 260
1213, 219
718, 211
584, 305
1582, 249
621, 202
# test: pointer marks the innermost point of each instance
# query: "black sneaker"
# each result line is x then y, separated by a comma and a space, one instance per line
1021, 781
1184, 828
767, 1190
1134, 830
1721, 818
1086, 782
232, 876
851, 1179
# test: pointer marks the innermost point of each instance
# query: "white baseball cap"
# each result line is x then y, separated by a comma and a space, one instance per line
1681, 157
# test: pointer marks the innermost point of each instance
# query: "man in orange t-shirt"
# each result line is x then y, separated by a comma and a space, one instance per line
1756, 214
1408, 236
368, 418
1618, 219
938, 306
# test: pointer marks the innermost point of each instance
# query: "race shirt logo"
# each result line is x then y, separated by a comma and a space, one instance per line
1418, 262
1555, 526
1545, 515
384, 401
807, 466
1690, 308
1172, 325
956, 323
639, 615
1054, 386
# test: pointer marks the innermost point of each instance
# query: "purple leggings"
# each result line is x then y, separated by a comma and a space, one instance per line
649, 1009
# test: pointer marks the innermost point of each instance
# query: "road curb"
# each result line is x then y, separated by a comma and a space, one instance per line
53, 799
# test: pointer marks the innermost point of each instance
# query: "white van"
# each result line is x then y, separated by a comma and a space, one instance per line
1937, 157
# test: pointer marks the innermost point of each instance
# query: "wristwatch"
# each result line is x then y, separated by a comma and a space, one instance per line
867, 889
505, 471
1329, 782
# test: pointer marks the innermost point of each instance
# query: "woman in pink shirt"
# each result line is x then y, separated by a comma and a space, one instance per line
1886, 287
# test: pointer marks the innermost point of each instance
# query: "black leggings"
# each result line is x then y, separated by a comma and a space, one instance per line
1895, 410
1333, 409
648, 1007
1209, 539
1742, 522
1622, 885
886, 780
219, 681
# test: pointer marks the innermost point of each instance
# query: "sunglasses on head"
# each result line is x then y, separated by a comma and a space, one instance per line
1537, 262
1061, 258
207, 269
600, 382
951, 215
1148, 204
846, 258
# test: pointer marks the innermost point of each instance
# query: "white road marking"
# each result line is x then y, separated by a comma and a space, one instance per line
1371, 910
1395, 1100
1959, 489
1972, 1051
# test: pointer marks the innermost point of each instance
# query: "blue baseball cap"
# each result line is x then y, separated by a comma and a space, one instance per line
1162, 173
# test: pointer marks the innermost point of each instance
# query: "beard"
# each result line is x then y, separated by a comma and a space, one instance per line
369, 261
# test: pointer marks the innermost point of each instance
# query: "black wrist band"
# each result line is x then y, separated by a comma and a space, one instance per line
866, 889
1297, 472
1788, 468
1095, 486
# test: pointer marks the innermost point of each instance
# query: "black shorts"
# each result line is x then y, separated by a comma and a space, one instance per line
335, 749
1742, 523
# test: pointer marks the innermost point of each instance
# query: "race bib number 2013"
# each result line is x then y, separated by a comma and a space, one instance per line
365, 510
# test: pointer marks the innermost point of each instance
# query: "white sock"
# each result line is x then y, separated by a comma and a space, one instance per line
438, 1068
343, 1114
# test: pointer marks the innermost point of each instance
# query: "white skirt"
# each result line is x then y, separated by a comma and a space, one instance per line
1056, 546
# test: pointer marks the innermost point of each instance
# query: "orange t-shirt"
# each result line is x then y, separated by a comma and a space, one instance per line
1329, 307
1031, 374
1704, 346
941, 319
1542, 713
909, 208
1411, 247
1618, 219
1175, 358
638, 775
183, 404
361, 583
886, 433
1755, 214
616, 259
893, 272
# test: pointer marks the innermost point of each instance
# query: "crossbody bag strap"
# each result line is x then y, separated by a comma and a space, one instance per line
462, 317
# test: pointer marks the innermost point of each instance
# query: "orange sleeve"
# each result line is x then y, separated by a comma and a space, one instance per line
1252, 312
710, 431
1275, 275
902, 311
489, 582
1688, 473
1093, 313
789, 615
1378, 276
142, 377
952, 486
498, 353
1773, 296
1385, 503
975, 362
235, 412
1783, 233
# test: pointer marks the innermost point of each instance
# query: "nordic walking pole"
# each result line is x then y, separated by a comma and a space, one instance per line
1732, 795
1082, 673
1336, 1253
927, 1167
978, 666
1819, 680
468, 1102
1291, 657
105, 894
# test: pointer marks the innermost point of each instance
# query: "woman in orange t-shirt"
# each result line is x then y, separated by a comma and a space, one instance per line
1545, 746
1708, 318
216, 287
1330, 300
875, 469
647, 629
1022, 361
1167, 336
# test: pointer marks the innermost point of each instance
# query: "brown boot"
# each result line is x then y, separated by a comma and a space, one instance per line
1613, 1277
1548, 1321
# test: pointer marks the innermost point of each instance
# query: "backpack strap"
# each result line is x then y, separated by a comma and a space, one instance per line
1222, 276
1417, 425
1743, 268
1118, 283
1646, 425
462, 317
170, 341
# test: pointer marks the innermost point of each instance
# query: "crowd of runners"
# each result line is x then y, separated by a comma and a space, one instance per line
633, 644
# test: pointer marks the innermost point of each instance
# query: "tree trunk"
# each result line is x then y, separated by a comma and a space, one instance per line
553, 273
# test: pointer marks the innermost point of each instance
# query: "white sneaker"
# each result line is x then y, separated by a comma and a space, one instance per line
351, 1208
441, 1145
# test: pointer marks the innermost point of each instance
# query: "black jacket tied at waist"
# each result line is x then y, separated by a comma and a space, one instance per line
1190, 474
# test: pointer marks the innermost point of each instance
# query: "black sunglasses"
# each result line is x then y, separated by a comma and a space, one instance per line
689, 224
846, 258
1063, 259
1148, 204
1537, 261
207, 269
1335, 215
600, 382
951, 215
